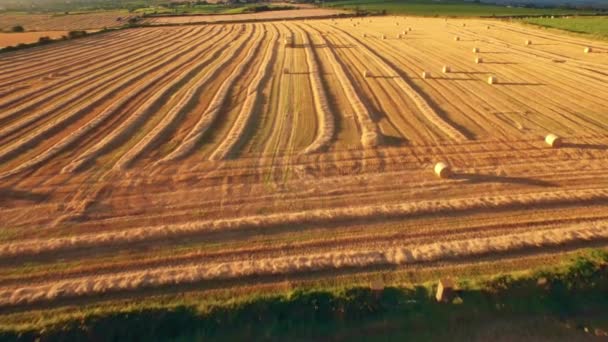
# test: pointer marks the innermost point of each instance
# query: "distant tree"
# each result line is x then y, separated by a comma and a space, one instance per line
44, 40
17, 28
76, 34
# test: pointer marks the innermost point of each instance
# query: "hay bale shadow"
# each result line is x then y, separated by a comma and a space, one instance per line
485, 178
454, 78
501, 63
602, 147
519, 84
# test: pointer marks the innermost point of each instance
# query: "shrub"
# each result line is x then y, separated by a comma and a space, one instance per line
44, 40
76, 34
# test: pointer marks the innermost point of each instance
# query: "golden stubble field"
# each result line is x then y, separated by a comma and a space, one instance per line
63, 22
192, 155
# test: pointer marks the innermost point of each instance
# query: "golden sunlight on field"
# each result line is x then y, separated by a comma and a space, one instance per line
178, 155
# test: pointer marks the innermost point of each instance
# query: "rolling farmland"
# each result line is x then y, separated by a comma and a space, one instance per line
61, 22
303, 11
169, 157
13, 39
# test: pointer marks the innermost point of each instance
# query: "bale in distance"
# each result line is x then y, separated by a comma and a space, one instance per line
286, 71
383, 36
464, 24
409, 29
365, 35
528, 42
446, 69
445, 290
492, 80
478, 60
404, 33
457, 38
588, 49
475, 50
426, 74
442, 170
367, 73
553, 140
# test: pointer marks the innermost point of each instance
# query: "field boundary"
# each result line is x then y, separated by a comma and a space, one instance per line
579, 281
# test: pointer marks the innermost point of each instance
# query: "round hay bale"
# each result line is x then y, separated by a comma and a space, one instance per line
383, 36
492, 80
553, 140
442, 170
478, 60
426, 74
446, 69
364, 35
286, 71
370, 140
409, 29
367, 73
488, 27
588, 49
404, 33
457, 38
475, 50
528, 42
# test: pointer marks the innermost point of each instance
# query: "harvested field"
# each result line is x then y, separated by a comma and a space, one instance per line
12, 39
170, 157
61, 22
261, 16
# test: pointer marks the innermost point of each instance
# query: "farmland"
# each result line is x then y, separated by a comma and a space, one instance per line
454, 8
13, 39
260, 16
594, 26
63, 22
167, 159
